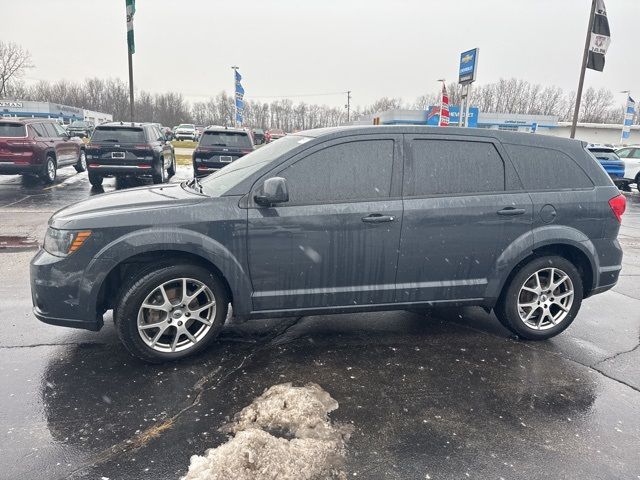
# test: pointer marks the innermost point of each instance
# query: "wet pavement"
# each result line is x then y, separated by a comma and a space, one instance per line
449, 394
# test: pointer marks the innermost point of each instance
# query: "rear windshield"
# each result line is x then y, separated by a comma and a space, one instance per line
12, 130
225, 139
118, 135
79, 124
604, 155
188, 126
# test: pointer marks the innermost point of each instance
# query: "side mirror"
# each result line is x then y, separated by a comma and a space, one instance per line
273, 191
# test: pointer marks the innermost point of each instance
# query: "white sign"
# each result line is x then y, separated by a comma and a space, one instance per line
4, 103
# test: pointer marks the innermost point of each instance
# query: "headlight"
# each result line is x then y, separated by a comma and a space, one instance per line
62, 243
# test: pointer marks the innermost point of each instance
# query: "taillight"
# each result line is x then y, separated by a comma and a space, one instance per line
246, 150
142, 147
93, 145
618, 205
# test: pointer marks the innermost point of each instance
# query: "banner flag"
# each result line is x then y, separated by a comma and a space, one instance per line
131, 10
600, 38
239, 99
629, 113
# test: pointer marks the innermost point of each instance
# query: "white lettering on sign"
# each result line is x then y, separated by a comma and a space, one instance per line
4, 103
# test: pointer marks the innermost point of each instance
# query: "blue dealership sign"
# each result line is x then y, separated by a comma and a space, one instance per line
433, 116
468, 66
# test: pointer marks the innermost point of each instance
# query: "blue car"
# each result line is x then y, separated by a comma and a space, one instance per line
609, 160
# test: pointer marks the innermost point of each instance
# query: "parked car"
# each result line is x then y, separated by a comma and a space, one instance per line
129, 150
258, 136
186, 131
80, 128
340, 220
273, 134
218, 147
199, 130
609, 160
631, 158
38, 147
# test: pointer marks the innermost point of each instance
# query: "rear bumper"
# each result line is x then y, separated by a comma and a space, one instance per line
10, 168
120, 169
606, 275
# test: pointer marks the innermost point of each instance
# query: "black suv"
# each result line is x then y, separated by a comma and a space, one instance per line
218, 147
129, 150
340, 220
80, 128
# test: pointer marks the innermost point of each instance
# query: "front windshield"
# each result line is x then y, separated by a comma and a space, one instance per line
228, 177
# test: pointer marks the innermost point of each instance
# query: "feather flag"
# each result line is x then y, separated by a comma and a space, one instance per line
444, 108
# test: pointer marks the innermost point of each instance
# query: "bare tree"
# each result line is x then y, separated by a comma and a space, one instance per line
14, 60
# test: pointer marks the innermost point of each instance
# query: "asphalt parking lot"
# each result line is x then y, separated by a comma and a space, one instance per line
445, 395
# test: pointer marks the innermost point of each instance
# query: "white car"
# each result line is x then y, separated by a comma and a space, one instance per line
631, 158
186, 131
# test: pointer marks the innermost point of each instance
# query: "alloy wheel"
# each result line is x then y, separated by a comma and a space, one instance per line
51, 170
176, 315
545, 298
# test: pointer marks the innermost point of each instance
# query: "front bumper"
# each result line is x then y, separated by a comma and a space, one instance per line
61, 294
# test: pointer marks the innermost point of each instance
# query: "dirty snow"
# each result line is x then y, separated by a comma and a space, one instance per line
283, 434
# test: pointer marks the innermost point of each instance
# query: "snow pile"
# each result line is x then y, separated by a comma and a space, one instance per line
284, 434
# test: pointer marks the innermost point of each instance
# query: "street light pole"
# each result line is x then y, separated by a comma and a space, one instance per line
348, 105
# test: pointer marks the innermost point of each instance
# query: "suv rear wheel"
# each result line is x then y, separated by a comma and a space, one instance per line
81, 164
49, 171
542, 299
95, 179
172, 168
159, 174
170, 311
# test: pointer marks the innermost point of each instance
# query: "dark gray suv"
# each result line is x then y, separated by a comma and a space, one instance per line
340, 220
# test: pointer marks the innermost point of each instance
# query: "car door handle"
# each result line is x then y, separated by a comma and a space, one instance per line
378, 218
512, 211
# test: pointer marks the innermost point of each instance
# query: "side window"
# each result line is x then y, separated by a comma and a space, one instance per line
355, 170
59, 130
635, 153
39, 130
449, 167
546, 169
49, 129
624, 153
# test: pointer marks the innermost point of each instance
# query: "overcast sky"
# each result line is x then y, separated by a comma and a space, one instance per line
396, 48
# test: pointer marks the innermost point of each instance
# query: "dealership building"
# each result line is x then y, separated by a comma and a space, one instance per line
62, 113
514, 122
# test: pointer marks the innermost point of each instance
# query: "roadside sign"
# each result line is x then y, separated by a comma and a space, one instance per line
468, 66
433, 116
534, 127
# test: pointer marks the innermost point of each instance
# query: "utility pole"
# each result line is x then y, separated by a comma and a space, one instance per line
585, 57
130, 6
131, 100
348, 105
235, 101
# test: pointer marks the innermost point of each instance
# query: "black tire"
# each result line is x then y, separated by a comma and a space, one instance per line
637, 182
171, 171
95, 179
134, 293
49, 174
507, 307
159, 173
81, 164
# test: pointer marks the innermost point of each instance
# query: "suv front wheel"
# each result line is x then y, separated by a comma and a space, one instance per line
542, 299
170, 311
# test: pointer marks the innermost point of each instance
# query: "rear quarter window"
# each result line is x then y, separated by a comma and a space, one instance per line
542, 168
12, 130
451, 167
